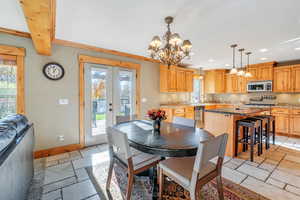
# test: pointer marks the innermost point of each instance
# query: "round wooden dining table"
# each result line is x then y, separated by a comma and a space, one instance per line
173, 140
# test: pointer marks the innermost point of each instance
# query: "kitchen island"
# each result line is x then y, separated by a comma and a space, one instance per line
219, 121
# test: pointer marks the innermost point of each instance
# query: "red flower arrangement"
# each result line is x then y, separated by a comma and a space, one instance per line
157, 114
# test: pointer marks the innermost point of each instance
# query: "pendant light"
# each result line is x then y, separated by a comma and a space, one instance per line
233, 70
248, 74
201, 73
241, 72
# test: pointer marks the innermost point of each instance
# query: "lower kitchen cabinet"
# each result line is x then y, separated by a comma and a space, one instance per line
184, 111
282, 123
169, 114
189, 112
295, 125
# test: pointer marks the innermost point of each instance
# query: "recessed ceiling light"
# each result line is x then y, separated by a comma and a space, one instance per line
211, 60
297, 49
227, 65
263, 50
263, 58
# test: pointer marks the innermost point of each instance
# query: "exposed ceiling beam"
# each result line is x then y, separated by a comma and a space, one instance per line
40, 17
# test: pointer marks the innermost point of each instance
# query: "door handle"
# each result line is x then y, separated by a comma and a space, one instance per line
110, 109
110, 104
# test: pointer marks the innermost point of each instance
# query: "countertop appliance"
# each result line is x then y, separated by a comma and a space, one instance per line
259, 86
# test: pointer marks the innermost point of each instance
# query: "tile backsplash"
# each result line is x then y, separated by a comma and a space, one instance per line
169, 98
245, 98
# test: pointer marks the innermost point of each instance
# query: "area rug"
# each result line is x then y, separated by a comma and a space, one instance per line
143, 187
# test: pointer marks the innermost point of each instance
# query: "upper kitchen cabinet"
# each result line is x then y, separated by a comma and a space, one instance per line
282, 79
181, 80
241, 84
235, 84
231, 83
214, 81
261, 71
189, 76
175, 79
296, 78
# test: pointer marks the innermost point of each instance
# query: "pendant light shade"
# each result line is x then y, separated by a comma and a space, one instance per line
233, 70
248, 74
241, 72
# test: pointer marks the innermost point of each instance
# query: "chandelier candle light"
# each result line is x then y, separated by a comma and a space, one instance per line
173, 50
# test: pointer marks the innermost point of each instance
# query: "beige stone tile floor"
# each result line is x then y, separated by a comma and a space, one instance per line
275, 174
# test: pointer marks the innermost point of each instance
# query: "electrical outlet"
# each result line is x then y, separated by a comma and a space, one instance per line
61, 138
63, 101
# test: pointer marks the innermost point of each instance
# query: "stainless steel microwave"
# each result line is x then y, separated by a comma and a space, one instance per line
260, 86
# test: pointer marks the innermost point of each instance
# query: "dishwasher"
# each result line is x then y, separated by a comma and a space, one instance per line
199, 116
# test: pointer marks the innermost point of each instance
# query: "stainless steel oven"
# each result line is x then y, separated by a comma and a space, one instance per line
260, 86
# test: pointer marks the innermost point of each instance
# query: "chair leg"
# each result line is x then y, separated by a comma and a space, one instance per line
157, 174
129, 185
220, 187
196, 194
252, 139
244, 136
273, 127
237, 131
110, 170
268, 135
161, 183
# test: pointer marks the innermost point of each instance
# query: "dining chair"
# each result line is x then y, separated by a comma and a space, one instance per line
126, 118
136, 163
184, 121
192, 173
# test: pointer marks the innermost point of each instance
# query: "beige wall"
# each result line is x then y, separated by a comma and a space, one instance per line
42, 95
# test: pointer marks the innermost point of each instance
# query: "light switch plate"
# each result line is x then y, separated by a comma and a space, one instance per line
63, 101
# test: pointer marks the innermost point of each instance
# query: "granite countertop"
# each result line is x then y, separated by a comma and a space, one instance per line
279, 105
189, 104
240, 111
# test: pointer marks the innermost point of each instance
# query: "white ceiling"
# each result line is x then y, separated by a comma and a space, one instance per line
211, 25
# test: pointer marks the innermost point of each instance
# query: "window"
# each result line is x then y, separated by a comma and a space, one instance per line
126, 81
11, 81
8, 87
196, 94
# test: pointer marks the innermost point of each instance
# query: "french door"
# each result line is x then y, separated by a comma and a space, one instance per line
109, 91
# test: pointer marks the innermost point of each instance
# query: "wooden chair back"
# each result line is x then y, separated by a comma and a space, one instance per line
127, 118
208, 150
118, 143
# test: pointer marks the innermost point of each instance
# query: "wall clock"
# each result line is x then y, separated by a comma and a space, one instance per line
53, 71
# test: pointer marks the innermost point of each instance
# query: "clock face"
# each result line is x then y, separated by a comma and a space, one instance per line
53, 71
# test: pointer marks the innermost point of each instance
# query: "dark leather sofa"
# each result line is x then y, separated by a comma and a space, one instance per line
16, 157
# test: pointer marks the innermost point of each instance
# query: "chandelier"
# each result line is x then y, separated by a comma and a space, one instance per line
172, 50
242, 71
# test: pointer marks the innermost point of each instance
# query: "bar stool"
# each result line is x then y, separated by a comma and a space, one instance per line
272, 123
264, 130
251, 127
266, 122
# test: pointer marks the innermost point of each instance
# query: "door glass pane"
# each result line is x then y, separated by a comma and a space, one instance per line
8, 88
196, 94
98, 103
126, 90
